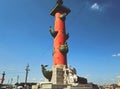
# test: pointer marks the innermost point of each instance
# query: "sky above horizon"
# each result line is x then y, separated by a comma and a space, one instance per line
94, 45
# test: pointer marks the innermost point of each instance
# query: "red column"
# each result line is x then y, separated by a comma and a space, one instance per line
60, 46
60, 39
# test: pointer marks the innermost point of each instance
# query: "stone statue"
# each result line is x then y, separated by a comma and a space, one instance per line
70, 76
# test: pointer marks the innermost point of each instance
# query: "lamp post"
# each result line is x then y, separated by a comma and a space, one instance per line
27, 70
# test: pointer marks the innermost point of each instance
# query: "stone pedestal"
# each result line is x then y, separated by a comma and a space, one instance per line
53, 86
66, 86
46, 85
58, 80
58, 74
80, 86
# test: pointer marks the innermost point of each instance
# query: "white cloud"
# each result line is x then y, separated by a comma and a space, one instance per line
42, 79
95, 6
118, 76
32, 79
116, 55
87, 75
100, 7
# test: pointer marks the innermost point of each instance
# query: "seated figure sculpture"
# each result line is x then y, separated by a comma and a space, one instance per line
70, 76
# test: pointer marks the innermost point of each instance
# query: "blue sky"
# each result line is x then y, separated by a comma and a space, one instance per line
94, 45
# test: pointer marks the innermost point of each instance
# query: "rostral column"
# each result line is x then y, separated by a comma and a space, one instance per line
59, 33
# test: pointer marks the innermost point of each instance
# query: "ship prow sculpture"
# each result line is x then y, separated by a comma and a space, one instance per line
62, 75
